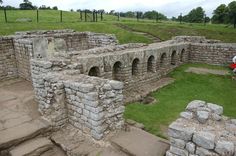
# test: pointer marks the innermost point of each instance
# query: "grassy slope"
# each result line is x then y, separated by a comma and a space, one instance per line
174, 98
165, 30
50, 19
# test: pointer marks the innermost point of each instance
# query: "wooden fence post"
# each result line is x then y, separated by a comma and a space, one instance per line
5, 14
101, 16
81, 15
37, 15
96, 16
61, 16
85, 15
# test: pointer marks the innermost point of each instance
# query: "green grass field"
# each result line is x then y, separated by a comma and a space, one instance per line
50, 19
174, 98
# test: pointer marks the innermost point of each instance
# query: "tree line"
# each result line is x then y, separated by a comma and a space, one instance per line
223, 14
27, 5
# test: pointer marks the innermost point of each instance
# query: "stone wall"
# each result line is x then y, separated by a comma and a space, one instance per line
91, 104
202, 130
23, 52
152, 62
8, 67
217, 54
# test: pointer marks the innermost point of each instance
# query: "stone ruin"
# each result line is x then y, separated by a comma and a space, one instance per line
83, 78
202, 130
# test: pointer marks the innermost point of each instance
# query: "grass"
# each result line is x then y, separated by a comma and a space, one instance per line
174, 98
166, 30
50, 19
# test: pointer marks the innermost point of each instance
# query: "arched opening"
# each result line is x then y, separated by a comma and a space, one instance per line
117, 71
173, 58
151, 64
135, 69
94, 71
163, 59
182, 59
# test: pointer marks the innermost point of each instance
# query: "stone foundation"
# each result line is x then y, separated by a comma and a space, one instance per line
202, 130
79, 77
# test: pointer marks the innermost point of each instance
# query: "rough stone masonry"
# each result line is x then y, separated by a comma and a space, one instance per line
202, 130
82, 78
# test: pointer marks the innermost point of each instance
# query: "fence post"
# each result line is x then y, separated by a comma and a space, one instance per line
204, 19
137, 16
157, 18
81, 15
96, 16
61, 16
234, 20
85, 16
93, 15
118, 16
5, 14
101, 16
37, 15
180, 18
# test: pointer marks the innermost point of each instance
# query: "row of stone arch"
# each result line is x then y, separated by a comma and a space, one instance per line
151, 65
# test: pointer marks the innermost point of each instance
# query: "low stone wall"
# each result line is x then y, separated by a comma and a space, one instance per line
202, 130
217, 54
8, 67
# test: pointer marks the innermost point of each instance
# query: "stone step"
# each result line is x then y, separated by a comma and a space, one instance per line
137, 142
15, 135
34, 147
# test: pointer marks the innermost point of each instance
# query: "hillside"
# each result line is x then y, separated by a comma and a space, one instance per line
50, 19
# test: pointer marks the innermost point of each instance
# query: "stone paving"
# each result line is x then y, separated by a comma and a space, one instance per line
17, 104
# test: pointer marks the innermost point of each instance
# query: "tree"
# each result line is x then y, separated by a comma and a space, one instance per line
1, 1
220, 15
112, 12
55, 8
196, 15
232, 12
26, 5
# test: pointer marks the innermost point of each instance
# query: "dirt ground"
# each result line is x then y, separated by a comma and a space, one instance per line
198, 70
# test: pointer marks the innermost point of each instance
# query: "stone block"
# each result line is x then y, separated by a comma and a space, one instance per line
186, 115
179, 131
204, 152
177, 143
192, 106
215, 108
225, 148
191, 147
202, 116
178, 151
204, 139
117, 85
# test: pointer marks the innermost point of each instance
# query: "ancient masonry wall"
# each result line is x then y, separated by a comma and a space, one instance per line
8, 68
202, 130
16, 51
218, 54
91, 104
152, 62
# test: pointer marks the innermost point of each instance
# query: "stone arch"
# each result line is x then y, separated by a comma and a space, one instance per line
163, 59
94, 71
135, 66
151, 64
182, 55
117, 71
173, 58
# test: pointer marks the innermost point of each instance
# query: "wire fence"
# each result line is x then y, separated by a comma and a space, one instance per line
11, 16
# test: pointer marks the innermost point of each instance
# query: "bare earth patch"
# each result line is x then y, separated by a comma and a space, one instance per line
198, 70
